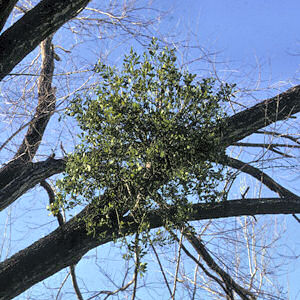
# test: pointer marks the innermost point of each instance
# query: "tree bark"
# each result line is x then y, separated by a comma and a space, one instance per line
35, 26
45, 108
31, 174
269, 111
67, 244
6, 8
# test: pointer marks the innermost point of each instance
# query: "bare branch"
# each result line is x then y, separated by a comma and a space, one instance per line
6, 8
61, 221
272, 145
66, 245
161, 268
278, 134
45, 107
260, 176
226, 278
269, 111
36, 25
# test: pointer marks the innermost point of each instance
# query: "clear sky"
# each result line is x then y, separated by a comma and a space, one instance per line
257, 44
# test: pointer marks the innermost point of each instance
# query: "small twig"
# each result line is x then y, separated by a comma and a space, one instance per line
297, 219
270, 147
110, 293
278, 134
137, 265
14, 134
75, 284
177, 266
161, 269
61, 286
195, 279
187, 252
245, 193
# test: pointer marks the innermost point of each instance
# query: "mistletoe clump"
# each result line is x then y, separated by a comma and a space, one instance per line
148, 139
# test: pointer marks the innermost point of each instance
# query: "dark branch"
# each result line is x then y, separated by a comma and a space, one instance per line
29, 176
231, 285
269, 111
66, 245
6, 8
45, 107
260, 176
36, 25
61, 221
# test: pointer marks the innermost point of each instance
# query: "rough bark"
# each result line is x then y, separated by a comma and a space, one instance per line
66, 245
248, 121
35, 26
45, 108
17, 168
31, 174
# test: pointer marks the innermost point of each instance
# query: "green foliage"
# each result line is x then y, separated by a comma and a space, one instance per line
148, 140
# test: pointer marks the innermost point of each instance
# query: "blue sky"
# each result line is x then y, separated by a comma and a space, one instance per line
256, 41
246, 31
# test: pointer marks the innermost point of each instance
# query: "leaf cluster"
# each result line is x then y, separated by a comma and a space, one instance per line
148, 138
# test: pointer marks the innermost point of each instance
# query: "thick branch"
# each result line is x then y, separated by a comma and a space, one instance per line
45, 107
37, 24
31, 174
269, 111
6, 8
36, 129
66, 245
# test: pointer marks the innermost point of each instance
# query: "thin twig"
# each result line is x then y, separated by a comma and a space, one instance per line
137, 265
278, 134
195, 279
187, 252
177, 266
110, 293
75, 284
161, 269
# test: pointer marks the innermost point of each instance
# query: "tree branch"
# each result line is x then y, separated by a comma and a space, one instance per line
248, 121
45, 107
67, 244
61, 221
6, 8
227, 279
36, 25
37, 127
260, 176
29, 176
